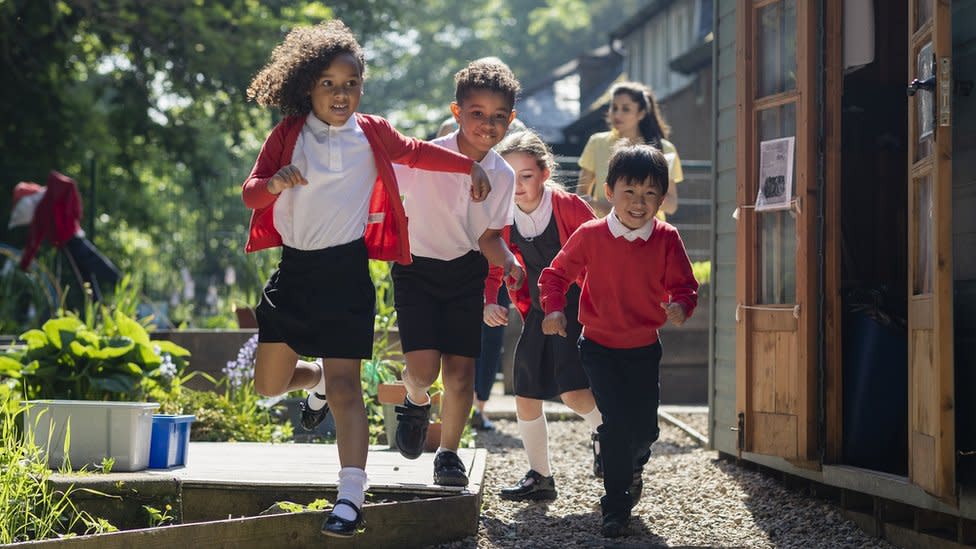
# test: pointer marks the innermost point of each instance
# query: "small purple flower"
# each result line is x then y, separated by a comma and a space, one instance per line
241, 371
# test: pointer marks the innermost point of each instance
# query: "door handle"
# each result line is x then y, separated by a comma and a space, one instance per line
927, 84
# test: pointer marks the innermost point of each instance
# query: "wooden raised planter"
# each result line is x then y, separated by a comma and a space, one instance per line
393, 394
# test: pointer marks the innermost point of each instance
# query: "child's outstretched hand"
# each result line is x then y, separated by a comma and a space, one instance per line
554, 324
480, 186
286, 178
676, 313
495, 315
514, 274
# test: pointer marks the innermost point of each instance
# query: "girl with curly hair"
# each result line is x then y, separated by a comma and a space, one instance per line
323, 188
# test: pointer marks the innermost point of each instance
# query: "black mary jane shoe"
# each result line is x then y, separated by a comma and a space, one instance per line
312, 418
533, 486
339, 527
411, 431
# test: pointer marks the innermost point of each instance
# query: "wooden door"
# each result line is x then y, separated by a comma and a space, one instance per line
930, 361
776, 255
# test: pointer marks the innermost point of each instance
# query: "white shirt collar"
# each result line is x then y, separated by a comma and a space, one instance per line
451, 142
618, 229
319, 127
531, 225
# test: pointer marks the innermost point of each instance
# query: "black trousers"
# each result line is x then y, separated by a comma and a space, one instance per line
625, 384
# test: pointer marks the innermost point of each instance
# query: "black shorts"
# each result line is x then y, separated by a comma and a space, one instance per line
320, 302
547, 366
440, 304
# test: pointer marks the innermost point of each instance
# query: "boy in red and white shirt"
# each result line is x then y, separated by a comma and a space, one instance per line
637, 276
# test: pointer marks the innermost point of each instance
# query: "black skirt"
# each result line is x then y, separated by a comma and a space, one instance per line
547, 366
321, 302
440, 304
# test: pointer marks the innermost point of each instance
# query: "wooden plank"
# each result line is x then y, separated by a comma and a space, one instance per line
763, 320
832, 321
763, 372
417, 523
774, 434
786, 374
923, 462
921, 312
745, 72
807, 254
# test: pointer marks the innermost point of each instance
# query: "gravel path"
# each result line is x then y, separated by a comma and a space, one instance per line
691, 498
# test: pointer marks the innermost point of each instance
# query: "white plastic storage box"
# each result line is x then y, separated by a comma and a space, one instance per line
118, 430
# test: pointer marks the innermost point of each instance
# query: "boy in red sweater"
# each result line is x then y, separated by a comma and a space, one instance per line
637, 277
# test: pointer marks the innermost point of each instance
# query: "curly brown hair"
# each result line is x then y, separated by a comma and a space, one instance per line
298, 62
486, 74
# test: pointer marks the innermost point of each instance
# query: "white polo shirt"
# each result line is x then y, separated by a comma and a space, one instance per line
331, 210
444, 222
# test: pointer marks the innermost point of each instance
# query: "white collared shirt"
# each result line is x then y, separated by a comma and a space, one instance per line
531, 225
444, 222
618, 229
331, 210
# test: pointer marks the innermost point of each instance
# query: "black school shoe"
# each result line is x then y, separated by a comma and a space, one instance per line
636, 486
532, 486
339, 527
597, 460
411, 431
312, 418
448, 470
615, 525
481, 423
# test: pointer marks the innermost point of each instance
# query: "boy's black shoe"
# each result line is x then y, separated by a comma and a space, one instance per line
448, 470
339, 527
636, 486
411, 431
481, 423
532, 486
615, 525
597, 459
312, 418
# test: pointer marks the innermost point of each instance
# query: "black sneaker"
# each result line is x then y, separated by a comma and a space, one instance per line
597, 461
481, 423
636, 486
339, 527
411, 431
448, 470
615, 525
312, 418
532, 486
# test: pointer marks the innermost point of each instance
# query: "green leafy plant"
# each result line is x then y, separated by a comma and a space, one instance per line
159, 517
222, 417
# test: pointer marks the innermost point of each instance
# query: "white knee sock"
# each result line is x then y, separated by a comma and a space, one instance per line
535, 439
593, 418
315, 402
352, 486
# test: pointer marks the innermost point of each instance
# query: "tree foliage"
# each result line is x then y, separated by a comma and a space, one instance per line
147, 99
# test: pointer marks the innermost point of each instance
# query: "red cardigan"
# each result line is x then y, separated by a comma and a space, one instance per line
386, 228
570, 212
56, 218
624, 285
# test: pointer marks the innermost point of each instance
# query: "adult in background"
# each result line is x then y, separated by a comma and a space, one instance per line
634, 118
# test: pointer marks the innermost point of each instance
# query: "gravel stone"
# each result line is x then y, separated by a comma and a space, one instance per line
691, 498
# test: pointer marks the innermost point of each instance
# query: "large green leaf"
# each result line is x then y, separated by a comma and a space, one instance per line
115, 347
144, 354
61, 330
114, 383
173, 349
10, 367
130, 328
36, 339
82, 350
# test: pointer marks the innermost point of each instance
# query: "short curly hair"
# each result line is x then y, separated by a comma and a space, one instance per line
298, 62
486, 74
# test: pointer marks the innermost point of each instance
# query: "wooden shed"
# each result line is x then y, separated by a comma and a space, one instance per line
844, 257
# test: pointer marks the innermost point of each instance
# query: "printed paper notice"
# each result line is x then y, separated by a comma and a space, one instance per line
775, 174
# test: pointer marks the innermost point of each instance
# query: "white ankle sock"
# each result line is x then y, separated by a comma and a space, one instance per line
593, 418
352, 486
315, 402
412, 401
535, 439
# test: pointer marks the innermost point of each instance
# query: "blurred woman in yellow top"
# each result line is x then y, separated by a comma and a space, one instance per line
634, 118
